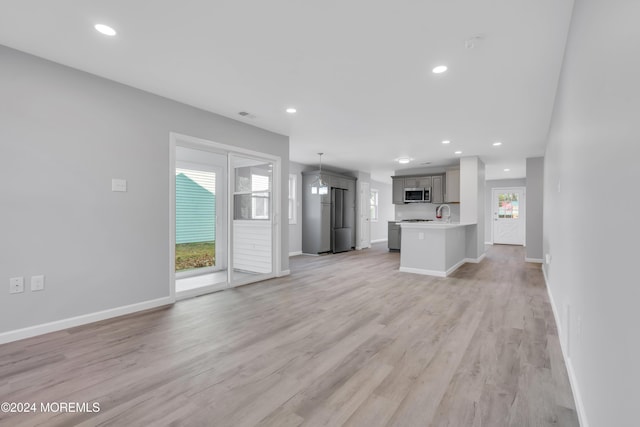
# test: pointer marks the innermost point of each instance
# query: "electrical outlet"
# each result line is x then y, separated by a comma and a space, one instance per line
37, 283
547, 258
119, 185
16, 285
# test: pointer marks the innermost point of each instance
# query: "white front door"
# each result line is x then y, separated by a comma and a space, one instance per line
365, 213
508, 216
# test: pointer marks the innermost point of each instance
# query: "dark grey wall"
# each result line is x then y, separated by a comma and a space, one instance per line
534, 206
64, 134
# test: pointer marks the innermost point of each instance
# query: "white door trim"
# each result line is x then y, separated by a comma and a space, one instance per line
364, 238
521, 211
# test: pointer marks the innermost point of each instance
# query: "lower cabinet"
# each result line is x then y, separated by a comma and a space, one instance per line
394, 236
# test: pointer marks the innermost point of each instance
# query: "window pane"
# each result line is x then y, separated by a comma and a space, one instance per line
508, 205
292, 199
374, 205
260, 182
195, 219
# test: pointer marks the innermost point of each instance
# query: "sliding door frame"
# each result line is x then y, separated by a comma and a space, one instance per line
181, 140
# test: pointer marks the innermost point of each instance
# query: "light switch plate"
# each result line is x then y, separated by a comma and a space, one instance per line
16, 285
37, 283
118, 185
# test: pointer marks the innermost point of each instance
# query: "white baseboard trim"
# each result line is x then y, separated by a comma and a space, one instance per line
379, 240
296, 253
423, 271
475, 260
437, 273
455, 267
536, 260
488, 243
440, 273
284, 273
71, 322
573, 381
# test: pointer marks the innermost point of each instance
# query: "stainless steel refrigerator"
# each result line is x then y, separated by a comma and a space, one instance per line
340, 224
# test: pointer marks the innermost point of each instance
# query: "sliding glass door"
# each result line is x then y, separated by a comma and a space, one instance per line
252, 227
224, 210
200, 225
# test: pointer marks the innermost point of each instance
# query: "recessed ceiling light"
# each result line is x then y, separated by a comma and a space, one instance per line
291, 110
403, 160
496, 144
446, 141
507, 170
105, 29
439, 69
458, 152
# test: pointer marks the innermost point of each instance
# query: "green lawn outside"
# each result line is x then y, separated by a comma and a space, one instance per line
195, 255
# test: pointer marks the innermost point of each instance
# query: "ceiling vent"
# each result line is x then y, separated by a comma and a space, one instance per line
247, 115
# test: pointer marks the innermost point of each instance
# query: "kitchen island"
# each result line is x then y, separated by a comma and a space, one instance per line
435, 248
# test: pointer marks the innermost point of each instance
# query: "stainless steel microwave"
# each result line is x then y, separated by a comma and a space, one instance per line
417, 195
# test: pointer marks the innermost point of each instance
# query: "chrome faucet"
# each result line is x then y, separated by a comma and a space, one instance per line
439, 212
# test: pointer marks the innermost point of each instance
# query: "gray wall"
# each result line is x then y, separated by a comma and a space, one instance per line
295, 230
64, 135
592, 157
534, 206
488, 207
385, 211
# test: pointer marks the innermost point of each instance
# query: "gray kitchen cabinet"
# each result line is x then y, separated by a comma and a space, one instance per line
452, 184
393, 236
397, 193
417, 182
325, 227
437, 195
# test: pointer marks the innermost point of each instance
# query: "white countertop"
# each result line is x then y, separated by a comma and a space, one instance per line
432, 224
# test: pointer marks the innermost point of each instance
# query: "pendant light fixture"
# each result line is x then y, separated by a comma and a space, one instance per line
319, 186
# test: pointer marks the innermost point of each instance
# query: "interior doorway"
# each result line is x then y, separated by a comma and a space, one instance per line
508, 216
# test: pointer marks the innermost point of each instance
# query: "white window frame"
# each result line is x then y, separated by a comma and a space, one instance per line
293, 199
376, 205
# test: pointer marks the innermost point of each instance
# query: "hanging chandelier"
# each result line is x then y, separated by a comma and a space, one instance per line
319, 186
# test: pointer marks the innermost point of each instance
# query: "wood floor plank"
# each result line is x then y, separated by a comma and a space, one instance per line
346, 339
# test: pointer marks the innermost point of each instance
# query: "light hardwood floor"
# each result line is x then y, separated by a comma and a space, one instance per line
345, 340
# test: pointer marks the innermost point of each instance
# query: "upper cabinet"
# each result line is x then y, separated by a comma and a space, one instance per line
434, 182
437, 193
452, 194
418, 182
398, 190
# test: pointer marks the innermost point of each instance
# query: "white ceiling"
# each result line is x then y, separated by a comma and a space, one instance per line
358, 71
